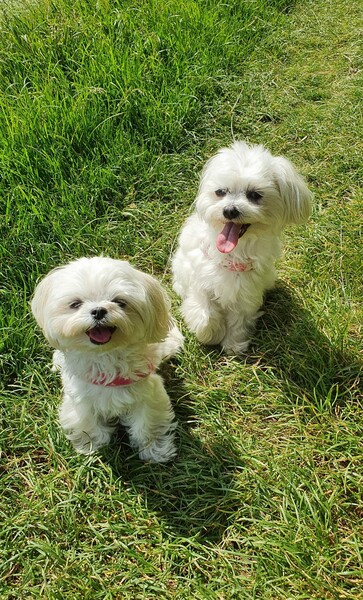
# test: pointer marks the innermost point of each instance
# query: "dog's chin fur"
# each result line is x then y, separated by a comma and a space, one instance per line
108, 320
240, 185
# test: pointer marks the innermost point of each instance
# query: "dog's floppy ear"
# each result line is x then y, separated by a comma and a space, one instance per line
157, 318
41, 298
293, 191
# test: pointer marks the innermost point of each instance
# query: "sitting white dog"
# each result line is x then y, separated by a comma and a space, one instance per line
227, 249
111, 327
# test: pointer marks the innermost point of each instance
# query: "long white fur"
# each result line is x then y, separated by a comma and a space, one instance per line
144, 336
218, 305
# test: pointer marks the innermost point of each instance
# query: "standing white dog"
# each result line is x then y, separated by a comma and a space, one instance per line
111, 327
225, 259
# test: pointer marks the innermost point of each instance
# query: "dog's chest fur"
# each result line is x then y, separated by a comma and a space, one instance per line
205, 267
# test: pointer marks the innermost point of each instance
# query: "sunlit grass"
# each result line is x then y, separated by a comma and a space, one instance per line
108, 111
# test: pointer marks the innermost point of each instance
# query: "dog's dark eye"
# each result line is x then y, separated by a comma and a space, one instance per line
75, 304
221, 192
253, 196
122, 303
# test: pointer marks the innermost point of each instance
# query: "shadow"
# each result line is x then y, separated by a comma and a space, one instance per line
288, 339
194, 495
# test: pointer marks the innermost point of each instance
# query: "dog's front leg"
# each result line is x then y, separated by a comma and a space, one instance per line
82, 427
150, 421
240, 327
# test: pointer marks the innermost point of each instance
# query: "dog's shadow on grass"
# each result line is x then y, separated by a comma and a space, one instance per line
302, 356
193, 495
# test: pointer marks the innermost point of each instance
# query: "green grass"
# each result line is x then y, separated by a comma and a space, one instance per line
108, 111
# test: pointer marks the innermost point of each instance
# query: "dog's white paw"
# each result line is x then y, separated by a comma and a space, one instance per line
209, 335
160, 450
88, 443
233, 349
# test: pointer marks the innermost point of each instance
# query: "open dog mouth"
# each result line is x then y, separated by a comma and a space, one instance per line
228, 238
100, 334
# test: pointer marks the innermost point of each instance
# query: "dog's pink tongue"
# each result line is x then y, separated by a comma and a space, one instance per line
228, 238
100, 335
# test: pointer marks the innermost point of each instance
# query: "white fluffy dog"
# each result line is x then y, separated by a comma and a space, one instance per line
227, 249
111, 327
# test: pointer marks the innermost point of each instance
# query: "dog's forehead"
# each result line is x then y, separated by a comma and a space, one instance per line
235, 170
97, 280
238, 179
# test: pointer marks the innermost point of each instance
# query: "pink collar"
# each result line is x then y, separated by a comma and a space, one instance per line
120, 381
229, 263
236, 266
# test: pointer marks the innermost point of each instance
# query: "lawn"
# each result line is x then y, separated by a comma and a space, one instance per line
108, 112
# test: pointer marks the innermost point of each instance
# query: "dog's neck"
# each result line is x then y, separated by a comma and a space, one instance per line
116, 368
227, 261
119, 381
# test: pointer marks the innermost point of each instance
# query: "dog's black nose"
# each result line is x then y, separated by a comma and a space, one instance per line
98, 313
231, 212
